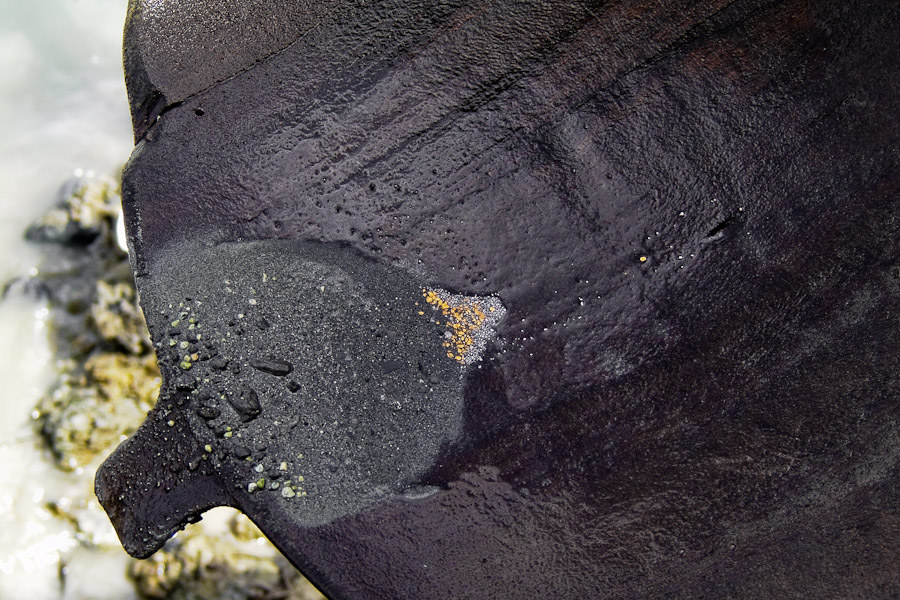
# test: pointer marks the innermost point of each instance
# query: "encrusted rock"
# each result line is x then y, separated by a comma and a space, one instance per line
118, 318
96, 402
84, 213
230, 564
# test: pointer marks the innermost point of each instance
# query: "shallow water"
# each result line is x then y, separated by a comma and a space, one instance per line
63, 111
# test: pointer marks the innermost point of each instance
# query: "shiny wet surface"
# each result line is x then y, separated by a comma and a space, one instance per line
688, 214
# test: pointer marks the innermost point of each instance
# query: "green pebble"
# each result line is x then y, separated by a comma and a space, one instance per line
185, 364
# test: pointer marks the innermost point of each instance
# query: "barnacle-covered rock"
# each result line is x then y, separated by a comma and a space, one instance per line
108, 378
118, 318
232, 562
82, 214
95, 403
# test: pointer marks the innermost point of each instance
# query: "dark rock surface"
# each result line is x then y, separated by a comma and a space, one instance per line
686, 214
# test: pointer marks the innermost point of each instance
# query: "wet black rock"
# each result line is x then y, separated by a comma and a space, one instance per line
688, 211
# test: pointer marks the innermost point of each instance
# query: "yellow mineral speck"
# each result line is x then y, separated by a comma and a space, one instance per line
469, 321
643, 259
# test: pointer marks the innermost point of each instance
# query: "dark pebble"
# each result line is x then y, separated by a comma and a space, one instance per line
273, 367
240, 451
246, 403
208, 412
185, 383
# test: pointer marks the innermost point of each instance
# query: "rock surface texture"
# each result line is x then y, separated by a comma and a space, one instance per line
476, 299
